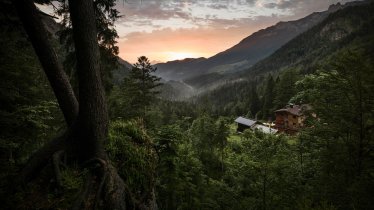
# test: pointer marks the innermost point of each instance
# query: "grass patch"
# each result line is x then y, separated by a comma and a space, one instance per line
234, 136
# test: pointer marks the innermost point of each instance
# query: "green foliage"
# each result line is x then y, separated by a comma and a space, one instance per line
106, 15
285, 89
327, 166
137, 92
350, 27
194, 175
29, 114
188, 149
71, 180
132, 152
265, 171
268, 98
341, 135
232, 99
255, 101
188, 163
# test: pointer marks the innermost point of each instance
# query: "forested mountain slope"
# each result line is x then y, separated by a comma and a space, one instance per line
247, 52
167, 154
347, 27
351, 29
178, 69
264, 42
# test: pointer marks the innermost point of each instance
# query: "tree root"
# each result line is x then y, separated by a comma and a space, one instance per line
41, 158
103, 187
83, 195
56, 166
98, 196
116, 194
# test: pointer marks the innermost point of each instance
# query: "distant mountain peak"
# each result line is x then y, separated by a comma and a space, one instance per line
335, 7
186, 60
249, 50
191, 59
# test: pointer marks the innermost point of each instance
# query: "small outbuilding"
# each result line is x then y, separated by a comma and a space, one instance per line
244, 123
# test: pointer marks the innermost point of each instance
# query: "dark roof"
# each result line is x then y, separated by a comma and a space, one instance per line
294, 109
245, 121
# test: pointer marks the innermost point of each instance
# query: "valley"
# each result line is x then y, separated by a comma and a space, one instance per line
281, 120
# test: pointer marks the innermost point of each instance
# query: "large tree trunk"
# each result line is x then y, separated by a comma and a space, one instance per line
93, 114
39, 38
104, 187
60, 84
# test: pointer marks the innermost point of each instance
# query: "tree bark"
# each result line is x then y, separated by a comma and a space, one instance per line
88, 131
93, 114
57, 77
56, 167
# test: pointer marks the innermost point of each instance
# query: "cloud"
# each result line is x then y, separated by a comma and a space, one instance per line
152, 14
158, 44
206, 27
283, 4
299, 8
185, 9
201, 41
219, 6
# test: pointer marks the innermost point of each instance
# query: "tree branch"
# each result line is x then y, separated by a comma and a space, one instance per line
39, 38
38, 35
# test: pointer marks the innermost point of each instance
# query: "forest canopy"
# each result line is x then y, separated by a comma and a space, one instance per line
74, 137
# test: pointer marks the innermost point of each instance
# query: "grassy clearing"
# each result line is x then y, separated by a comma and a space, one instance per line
234, 136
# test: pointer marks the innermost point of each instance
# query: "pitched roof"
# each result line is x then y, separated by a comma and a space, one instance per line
245, 121
293, 109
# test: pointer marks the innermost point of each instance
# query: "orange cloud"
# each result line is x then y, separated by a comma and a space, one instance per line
167, 30
199, 42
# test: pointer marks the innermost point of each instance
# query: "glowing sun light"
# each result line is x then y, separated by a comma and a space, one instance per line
179, 55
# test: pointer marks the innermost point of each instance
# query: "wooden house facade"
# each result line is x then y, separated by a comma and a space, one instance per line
290, 119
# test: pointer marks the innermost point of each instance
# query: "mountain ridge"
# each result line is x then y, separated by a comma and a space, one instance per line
350, 28
248, 51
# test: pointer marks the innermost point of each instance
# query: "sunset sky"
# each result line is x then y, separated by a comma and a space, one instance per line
166, 30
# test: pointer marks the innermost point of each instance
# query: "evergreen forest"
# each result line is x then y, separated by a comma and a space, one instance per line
81, 130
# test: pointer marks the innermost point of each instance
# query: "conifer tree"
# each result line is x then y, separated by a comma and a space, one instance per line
286, 88
268, 98
255, 106
140, 87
